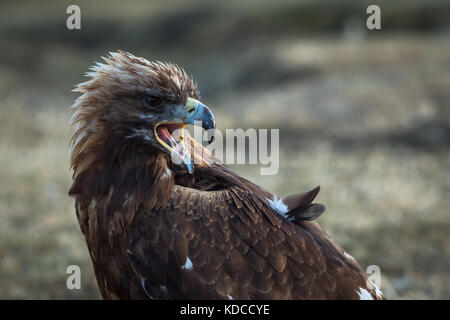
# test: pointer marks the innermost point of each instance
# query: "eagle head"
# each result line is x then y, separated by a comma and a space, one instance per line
129, 101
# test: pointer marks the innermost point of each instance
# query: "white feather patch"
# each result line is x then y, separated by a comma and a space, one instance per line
278, 205
364, 294
188, 265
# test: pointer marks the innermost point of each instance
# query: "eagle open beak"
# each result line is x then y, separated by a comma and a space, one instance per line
170, 134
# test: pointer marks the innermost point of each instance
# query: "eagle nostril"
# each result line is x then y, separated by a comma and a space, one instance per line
191, 110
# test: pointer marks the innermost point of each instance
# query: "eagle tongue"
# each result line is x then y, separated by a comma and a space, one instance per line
164, 134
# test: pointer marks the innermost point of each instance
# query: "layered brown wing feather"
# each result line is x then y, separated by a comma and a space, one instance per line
239, 247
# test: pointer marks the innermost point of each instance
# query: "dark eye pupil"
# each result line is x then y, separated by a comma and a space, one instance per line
152, 101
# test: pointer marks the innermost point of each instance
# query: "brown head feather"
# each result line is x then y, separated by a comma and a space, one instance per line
109, 112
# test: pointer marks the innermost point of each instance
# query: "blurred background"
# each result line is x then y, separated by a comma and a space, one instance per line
365, 114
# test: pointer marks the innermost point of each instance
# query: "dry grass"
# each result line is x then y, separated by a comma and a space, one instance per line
39, 235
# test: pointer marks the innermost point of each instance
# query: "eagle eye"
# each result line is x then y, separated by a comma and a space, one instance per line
152, 101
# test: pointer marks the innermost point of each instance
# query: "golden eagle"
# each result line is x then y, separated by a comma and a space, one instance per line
189, 229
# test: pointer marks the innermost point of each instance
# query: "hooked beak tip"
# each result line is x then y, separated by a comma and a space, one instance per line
198, 112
